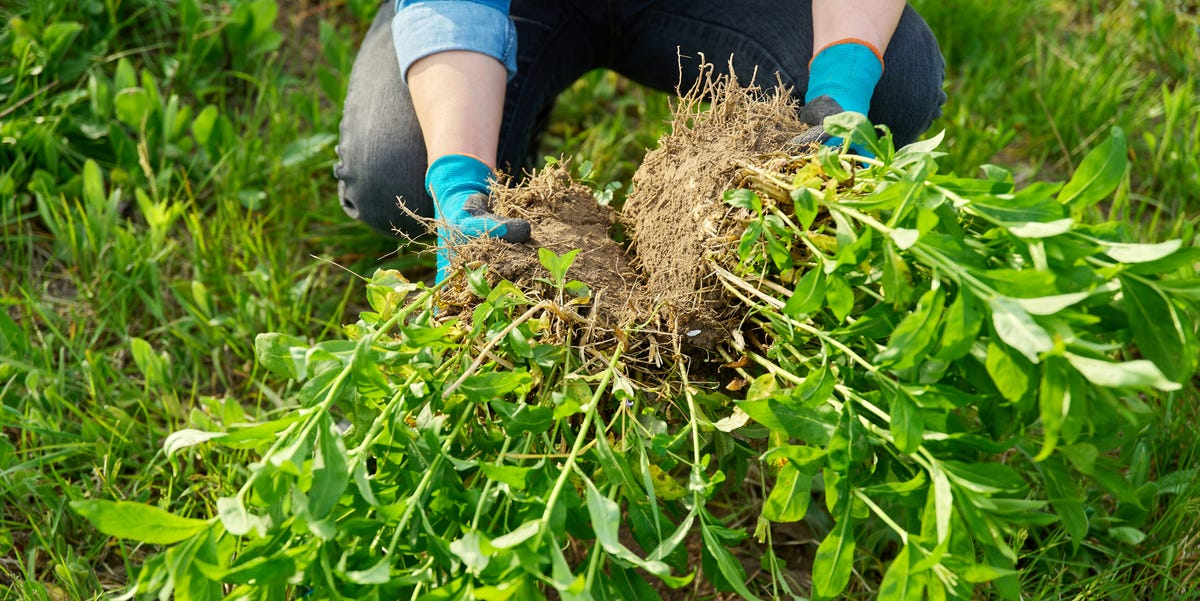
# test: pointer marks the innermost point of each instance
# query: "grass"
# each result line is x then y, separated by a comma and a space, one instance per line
165, 195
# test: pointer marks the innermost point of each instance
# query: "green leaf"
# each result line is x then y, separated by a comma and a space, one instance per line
1054, 402
1019, 282
1037, 229
511, 475
516, 588
960, 327
919, 150
1178, 482
523, 533
1140, 253
1009, 371
779, 254
853, 127
763, 387
897, 278
672, 542
481, 388
93, 185
1081, 455
840, 296
283, 355
138, 521
743, 198
809, 294
914, 335
249, 437
330, 473
729, 568
789, 498
746, 246
258, 570
1127, 535
985, 478
379, 573
1099, 174
907, 423
816, 387
899, 583
834, 560
605, 515
473, 549
1184, 258
1049, 305
791, 418
1066, 497
203, 125
557, 265
806, 203
518, 419
363, 483
299, 151
980, 573
187, 437
941, 499
1018, 211
1018, 329
184, 560
291, 457
132, 106
1139, 373
233, 515
57, 37
1161, 334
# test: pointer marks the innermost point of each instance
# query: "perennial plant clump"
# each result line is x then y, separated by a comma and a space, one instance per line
934, 373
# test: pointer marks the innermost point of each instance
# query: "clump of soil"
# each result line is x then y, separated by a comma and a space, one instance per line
675, 214
563, 216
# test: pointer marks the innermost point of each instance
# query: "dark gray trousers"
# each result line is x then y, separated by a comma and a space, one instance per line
382, 154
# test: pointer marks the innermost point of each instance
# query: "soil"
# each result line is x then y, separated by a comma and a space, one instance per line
675, 216
676, 213
563, 216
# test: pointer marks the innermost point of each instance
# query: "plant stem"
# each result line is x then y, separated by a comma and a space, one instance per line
483, 353
569, 464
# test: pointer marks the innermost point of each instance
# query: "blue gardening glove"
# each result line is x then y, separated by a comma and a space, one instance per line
841, 77
459, 185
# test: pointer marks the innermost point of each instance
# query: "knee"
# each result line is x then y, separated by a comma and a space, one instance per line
909, 96
381, 181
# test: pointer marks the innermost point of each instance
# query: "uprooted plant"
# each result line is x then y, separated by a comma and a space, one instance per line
955, 370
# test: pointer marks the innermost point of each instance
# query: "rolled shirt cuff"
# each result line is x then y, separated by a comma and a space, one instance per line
422, 28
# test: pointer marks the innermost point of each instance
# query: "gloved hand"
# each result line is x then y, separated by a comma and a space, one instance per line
841, 77
459, 186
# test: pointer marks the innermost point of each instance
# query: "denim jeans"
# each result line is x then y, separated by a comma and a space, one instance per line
657, 43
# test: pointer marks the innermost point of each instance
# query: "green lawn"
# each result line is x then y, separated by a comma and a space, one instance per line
166, 195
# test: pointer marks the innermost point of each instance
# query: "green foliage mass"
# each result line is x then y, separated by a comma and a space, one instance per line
956, 376
164, 187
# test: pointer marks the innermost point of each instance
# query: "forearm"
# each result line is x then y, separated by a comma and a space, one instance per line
458, 97
872, 21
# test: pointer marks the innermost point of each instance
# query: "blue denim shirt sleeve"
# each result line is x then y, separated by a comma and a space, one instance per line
424, 27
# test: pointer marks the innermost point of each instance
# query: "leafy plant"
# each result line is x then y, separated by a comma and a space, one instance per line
979, 358
948, 365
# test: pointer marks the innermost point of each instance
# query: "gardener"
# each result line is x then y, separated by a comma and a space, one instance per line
443, 91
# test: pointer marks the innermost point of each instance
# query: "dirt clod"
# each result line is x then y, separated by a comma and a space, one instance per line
563, 216
675, 215
675, 211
